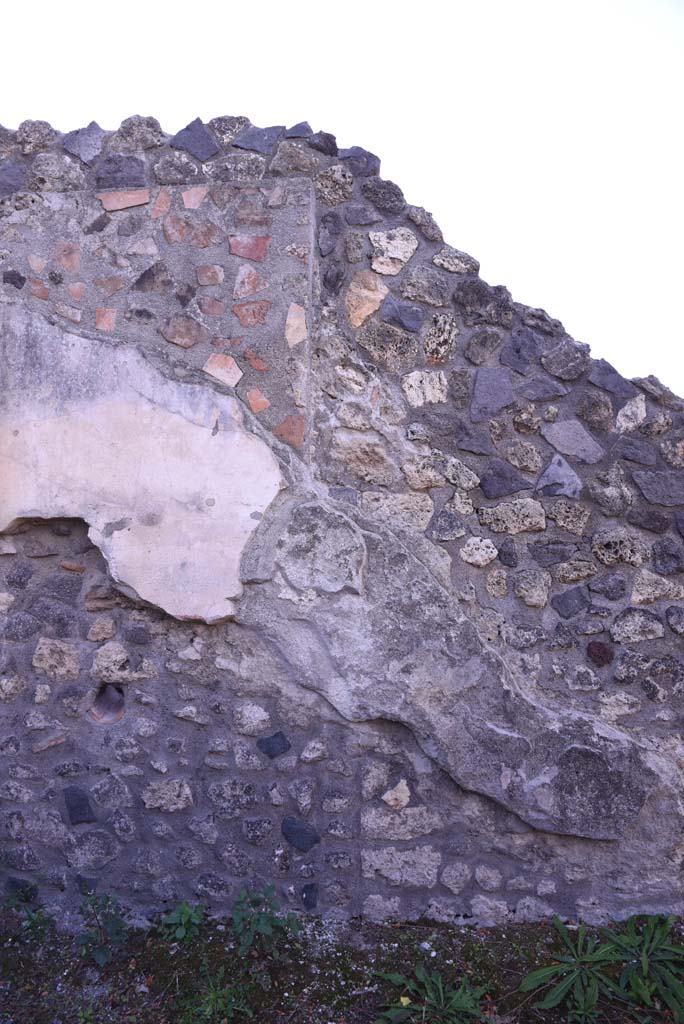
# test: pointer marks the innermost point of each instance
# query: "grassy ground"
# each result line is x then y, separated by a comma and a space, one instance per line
325, 976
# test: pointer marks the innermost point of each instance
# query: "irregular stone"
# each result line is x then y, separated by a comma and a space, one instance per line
361, 163
360, 215
275, 745
532, 586
612, 586
334, 185
85, 143
78, 806
364, 296
57, 659
482, 303
661, 488
519, 516
364, 454
492, 392
455, 261
500, 479
121, 172
675, 619
649, 587
402, 314
251, 719
423, 284
197, 140
570, 602
523, 455
668, 556
33, 136
456, 876
329, 232
56, 172
521, 350
617, 545
398, 866
388, 345
176, 169
261, 140
299, 834
425, 222
384, 195
13, 177
227, 127
322, 551
184, 331
169, 795
293, 158
392, 250
570, 438
423, 387
481, 345
596, 409
559, 478
605, 376
672, 451
567, 360
411, 510
634, 450
634, 626
398, 796
136, 133
551, 552
439, 341
631, 415
478, 551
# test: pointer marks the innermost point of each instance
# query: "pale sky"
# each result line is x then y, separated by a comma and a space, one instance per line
545, 136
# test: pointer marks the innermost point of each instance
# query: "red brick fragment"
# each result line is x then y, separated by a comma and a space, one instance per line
38, 289
68, 256
68, 312
109, 285
184, 331
123, 199
257, 400
194, 197
73, 567
247, 282
252, 247
211, 306
255, 361
176, 228
209, 274
77, 290
250, 314
37, 264
228, 342
204, 234
161, 205
291, 430
105, 318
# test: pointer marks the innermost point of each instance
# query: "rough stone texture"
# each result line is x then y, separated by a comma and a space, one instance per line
323, 561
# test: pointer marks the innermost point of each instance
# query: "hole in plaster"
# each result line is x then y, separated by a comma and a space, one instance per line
109, 705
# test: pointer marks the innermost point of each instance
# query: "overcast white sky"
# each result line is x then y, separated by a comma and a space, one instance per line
545, 135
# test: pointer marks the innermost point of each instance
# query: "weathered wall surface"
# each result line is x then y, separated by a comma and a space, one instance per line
323, 562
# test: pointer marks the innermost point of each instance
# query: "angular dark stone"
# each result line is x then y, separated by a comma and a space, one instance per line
600, 653
14, 278
445, 525
137, 633
481, 345
299, 131
674, 616
274, 745
97, 225
668, 556
661, 488
65, 586
324, 143
605, 376
360, 162
567, 360
649, 519
482, 303
508, 553
299, 834
634, 450
85, 143
552, 552
521, 349
384, 195
13, 177
613, 586
329, 232
20, 626
21, 889
18, 575
540, 389
120, 171
196, 140
570, 602
78, 805
359, 216
54, 613
492, 392
310, 896
679, 522
402, 314
474, 442
500, 479
155, 279
559, 478
260, 140
333, 276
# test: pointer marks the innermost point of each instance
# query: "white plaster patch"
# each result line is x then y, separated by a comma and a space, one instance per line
165, 474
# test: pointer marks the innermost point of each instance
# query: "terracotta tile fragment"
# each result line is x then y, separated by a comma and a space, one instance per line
223, 368
37, 264
68, 312
252, 247
211, 306
68, 256
255, 361
250, 314
295, 325
105, 318
48, 743
210, 273
204, 234
73, 567
364, 296
257, 400
109, 285
77, 290
248, 282
195, 196
291, 430
184, 331
38, 289
161, 205
124, 199
176, 228
228, 342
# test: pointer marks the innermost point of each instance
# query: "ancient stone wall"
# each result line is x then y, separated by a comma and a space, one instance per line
323, 562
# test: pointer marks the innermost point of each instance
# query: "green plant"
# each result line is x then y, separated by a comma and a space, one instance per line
578, 976
106, 928
257, 923
653, 972
36, 922
183, 922
428, 999
219, 1002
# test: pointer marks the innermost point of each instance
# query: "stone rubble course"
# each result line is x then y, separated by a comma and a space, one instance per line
323, 562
